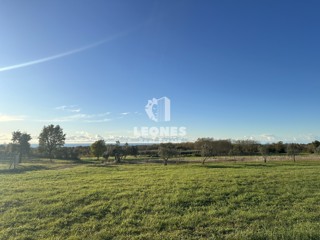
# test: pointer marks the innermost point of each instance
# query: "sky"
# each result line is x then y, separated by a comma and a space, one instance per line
231, 69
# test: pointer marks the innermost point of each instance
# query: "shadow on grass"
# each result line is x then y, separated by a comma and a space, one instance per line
137, 162
259, 165
79, 161
242, 165
157, 161
23, 169
222, 166
101, 165
127, 162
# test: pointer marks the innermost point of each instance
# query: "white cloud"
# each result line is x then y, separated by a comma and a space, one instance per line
11, 118
103, 114
83, 137
271, 138
303, 138
5, 138
268, 137
70, 108
70, 118
98, 120
88, 118
263, 138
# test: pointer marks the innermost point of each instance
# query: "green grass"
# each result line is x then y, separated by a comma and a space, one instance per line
278, 200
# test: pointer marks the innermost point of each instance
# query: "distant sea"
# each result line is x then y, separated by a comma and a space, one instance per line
89, 144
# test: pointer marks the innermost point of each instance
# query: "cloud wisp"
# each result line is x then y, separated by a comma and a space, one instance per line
68, 53
10, 118
82, 117
71, 108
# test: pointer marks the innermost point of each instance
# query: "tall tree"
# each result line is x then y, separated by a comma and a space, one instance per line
98, 148
22, 142
51, 139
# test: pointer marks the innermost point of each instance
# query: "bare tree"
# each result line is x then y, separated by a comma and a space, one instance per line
167, 151
206, 148
293, 149
264, 151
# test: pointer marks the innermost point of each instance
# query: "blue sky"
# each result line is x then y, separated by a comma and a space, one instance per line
232, 69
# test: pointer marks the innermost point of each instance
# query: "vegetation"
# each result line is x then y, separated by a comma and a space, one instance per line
226, 199
20, 145
51, 139
98, 148
118, 152
292, 150
278, 200
167, 151
264, 151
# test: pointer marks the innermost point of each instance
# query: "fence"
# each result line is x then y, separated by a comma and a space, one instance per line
12, 159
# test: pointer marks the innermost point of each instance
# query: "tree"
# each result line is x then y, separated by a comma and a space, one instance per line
235, 151
314, 146
317, 150
98, 148
167, 151
246, 147
280, 147
222, 147
264, 151
134, 151
125, 150
206, 151
292, 150
316, 143
21, 140
206, 148
51, 139
117, 152
106, 156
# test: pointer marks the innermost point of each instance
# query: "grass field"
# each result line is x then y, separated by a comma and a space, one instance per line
277, 200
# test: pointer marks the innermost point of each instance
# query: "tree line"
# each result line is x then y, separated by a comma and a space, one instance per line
52, 140
204, 147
